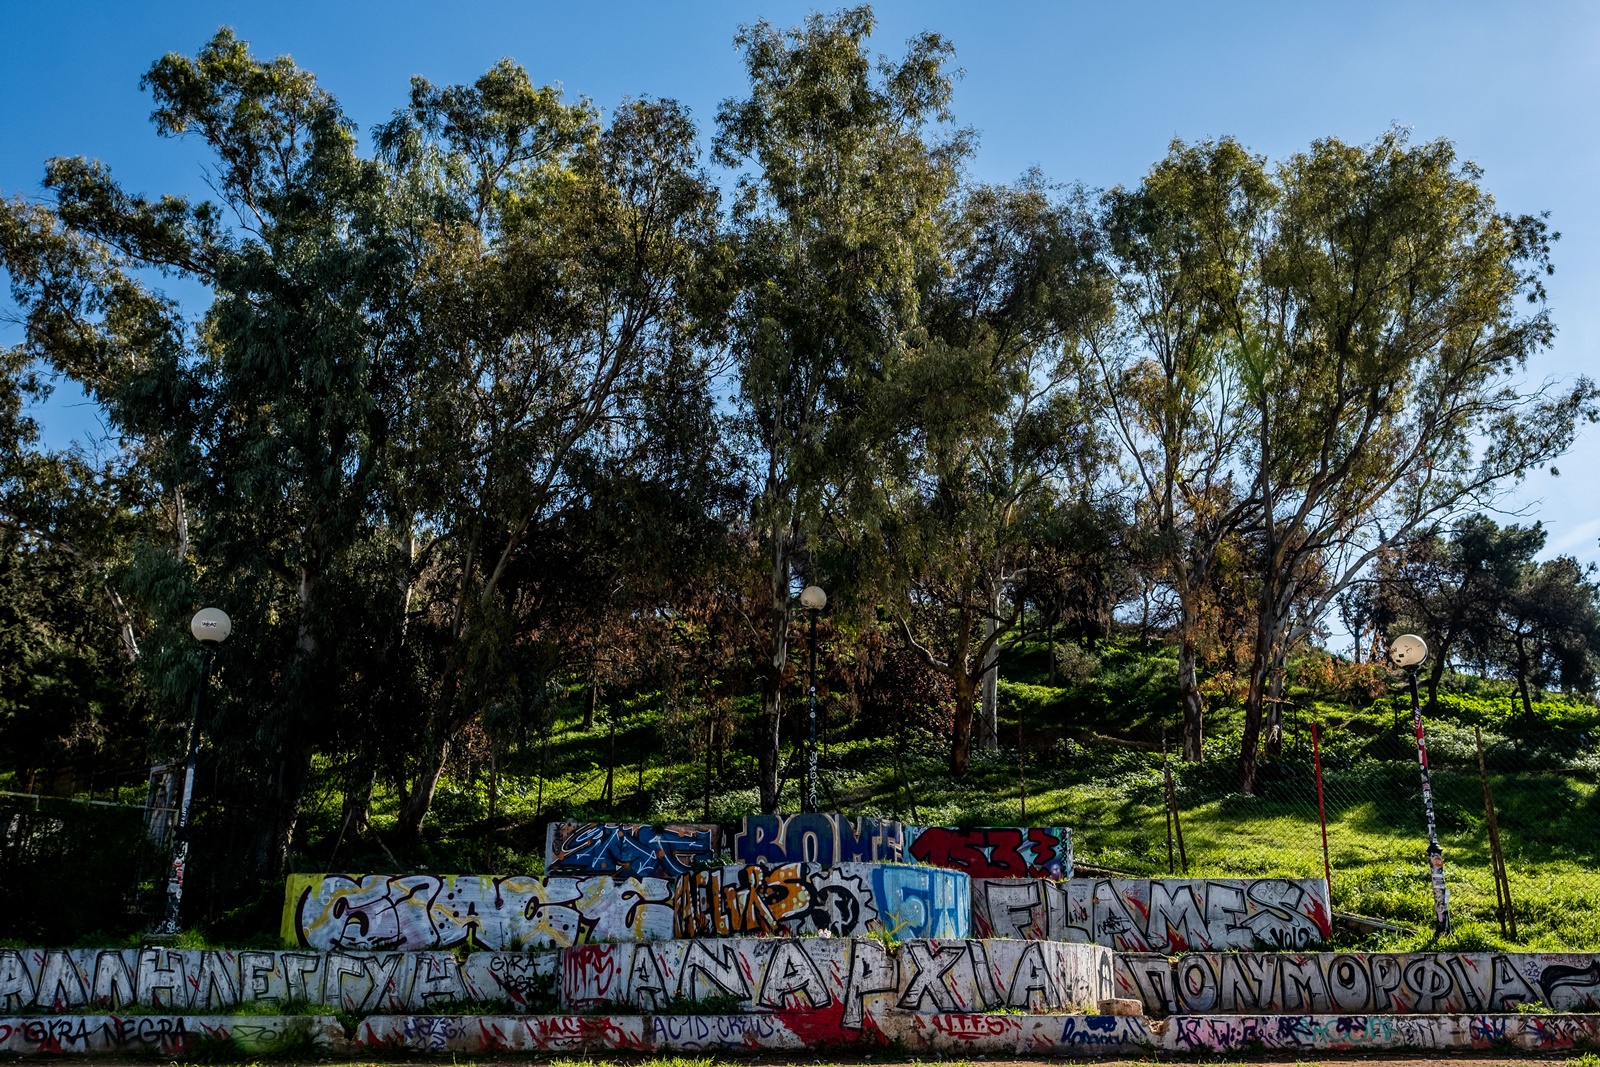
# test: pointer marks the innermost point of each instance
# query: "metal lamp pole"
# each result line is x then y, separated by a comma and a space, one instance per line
813, 599
211, 627
1408, 652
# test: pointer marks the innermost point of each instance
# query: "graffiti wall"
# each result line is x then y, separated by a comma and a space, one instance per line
628, 849
1029, 908
818, 838
1376, 1033
843, 900
965, 1035
848, 981
413, 912
213, 982
1426, 983
1172, 915
993, 851
1025, 1035
166, 1035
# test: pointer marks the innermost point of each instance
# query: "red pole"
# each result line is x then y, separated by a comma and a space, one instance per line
1322, 811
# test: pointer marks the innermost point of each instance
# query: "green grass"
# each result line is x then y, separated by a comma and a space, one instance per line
1112, 796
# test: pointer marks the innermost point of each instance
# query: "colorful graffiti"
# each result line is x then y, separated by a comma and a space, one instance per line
1376, 1033
994, 852
842, 900
60, 980
1426, 983
968, 1035
1172, 915
167, 1035
373, 912
818, 838
850, 981
629, 849
1028, 908
1025, 1035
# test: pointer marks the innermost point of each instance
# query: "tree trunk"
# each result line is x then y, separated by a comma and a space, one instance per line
989, 732
772, 684
961, 735
1523, 663
1255, 698
408, 824
611, 760
1435, 672
1194, 706
591, 700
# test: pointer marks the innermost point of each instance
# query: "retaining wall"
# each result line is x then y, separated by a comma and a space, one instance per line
818, 837
994, 851
169, 1035
964, 1035
414, 912
1166, 915
213, 982
844, 900
1271, 983
846, 981
631, 850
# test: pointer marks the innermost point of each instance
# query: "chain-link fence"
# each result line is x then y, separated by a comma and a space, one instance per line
1538, 778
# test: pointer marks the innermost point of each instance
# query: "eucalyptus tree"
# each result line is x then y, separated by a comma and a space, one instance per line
996, 429
1183, 247
265, 424
848, 169
558, 274
1380, 359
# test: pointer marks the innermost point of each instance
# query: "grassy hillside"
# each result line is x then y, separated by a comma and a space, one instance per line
1090, 760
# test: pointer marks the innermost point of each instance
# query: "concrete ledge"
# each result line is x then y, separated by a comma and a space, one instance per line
170, 1035
850, 977
1380, 1033
1378, 983
416, 912
844, 900
1166, 915
965, 1034
213, 982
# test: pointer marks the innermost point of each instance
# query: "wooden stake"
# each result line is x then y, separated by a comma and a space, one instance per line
1322, 811
1497, 857
1166, 772
1177, 824
1022, 776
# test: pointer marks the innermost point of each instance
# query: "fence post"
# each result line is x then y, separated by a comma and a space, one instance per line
1322, 811
1497, 858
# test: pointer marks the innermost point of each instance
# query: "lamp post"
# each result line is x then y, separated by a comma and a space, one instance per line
813, 599
211, 627
1407, 652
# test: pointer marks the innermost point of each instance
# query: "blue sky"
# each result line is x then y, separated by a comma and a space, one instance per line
1089, 92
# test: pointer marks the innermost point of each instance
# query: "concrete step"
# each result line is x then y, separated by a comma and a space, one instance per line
379, 912
965, 1035
847, 978
1156, 914
1386, 983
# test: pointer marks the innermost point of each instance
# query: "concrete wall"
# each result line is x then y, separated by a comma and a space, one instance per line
1269, 983
636, 850
965, 1035
167, 1035
215, 982
994, 851
818, 838
1167, 915
1379, 1033
846, 899
372, 912
843, 980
